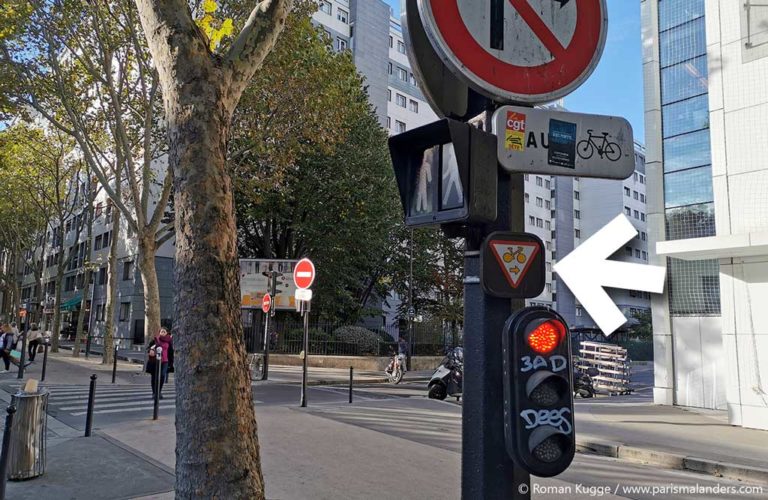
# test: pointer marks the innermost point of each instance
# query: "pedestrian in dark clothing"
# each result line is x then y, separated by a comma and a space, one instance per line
6, 345
35, 338
165, 342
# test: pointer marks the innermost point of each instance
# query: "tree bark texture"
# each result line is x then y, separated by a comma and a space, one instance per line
217, 449
109, 324
146, 262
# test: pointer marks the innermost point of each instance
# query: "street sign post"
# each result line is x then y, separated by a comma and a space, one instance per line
518, 51
266, 303
512, 265
543, 141
304, 273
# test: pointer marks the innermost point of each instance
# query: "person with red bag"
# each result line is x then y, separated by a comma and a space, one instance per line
165, 342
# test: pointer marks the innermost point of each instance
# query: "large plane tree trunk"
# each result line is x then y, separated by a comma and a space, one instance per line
109, 323
146, 262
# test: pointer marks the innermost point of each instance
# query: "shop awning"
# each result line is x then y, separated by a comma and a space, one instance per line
71, 304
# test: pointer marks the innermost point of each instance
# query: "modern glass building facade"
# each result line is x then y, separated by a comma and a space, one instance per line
686, 152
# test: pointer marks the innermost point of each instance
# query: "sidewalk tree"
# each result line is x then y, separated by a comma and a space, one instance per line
84, 68
91, 191
217, 450
311, 169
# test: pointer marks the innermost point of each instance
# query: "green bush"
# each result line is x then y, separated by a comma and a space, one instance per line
366, 339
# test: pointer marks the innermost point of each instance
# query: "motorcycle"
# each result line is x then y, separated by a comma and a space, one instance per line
448, 377
582, 382
396, 368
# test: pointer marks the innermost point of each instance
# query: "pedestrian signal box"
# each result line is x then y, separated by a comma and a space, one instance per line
538, 391
446, 173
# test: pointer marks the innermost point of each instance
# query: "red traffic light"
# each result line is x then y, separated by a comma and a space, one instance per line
546, 337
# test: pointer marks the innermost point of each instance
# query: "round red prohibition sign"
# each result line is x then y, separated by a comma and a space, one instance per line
525, 51
266, 303
304, 273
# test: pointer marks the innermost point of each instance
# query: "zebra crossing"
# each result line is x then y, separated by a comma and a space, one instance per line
72, 400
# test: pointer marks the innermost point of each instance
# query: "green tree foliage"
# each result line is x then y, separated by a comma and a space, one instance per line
312, 173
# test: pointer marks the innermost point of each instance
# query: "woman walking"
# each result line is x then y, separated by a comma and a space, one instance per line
6, 345
163, 341
34, 338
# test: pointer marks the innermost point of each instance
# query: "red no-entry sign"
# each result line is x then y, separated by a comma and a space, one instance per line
304, 273
266, 303
526, 51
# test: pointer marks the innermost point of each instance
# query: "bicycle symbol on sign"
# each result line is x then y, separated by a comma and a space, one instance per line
604, 147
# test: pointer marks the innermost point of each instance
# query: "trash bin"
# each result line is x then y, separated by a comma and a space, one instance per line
26, 454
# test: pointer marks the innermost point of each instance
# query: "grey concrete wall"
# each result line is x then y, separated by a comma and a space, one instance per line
370, 46
566, 303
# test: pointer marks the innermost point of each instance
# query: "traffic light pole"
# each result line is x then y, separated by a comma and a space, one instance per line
269, 314
487, 470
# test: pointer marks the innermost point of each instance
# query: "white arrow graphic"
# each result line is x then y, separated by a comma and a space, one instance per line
586, 271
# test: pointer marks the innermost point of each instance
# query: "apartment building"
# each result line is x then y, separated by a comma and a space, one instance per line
705, 67
592, 204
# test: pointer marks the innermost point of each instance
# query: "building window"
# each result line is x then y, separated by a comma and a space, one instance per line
549, 267
576, 195
578, 312
539, 222
645, 255
547, 225
637, 214
531, 220
539, 181
389, 123
97, 243
341, 44
527, 198
102, 279
635, 195
628, 251
548, 244
547, 184
127, 270
400, 100
547, 204
125, 311
577, 233
389, 95
642, 198
402, 74
627, 210
637, 253
642, 216
577, 214
391, 44
389, 68
414, 106
539, 202
643, 235
400, 47
325, 6
399, 127
525, 177
626, 191
342, 15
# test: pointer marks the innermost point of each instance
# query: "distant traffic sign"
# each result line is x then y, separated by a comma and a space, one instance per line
543, 141
304, 273
523, 51
266, 303
303, 294
512, 265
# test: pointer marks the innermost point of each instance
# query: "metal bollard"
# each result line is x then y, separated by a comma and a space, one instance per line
158, 375
45, 360
350, 384
89, 411
23, 357
114, 365
4, 454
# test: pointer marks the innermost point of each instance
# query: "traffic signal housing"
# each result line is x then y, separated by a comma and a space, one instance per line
538, 391
446, 173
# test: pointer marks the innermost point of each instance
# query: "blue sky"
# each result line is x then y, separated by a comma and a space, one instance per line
616, 86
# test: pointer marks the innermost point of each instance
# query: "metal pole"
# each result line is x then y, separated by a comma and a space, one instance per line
89, 411
487, 471
410, 305
306, 355
114, 364
350, 384
158, 374
23, 357
45, 360
270, 313
4, 454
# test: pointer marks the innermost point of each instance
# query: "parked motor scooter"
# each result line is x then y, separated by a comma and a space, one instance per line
448, 377
582, 382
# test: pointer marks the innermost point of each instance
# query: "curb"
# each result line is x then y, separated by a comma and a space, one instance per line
121, 357
670, 460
